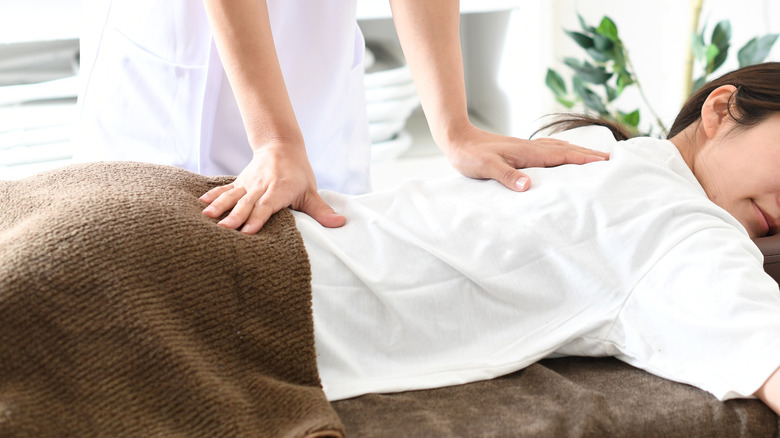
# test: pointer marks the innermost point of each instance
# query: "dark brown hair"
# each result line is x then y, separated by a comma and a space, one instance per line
757, 97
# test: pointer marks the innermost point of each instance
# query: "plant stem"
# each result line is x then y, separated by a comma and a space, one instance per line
696, 6
642, 92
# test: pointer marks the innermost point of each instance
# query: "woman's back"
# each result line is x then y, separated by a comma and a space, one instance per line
442, 282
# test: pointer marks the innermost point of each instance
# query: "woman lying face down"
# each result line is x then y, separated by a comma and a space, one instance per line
647, 257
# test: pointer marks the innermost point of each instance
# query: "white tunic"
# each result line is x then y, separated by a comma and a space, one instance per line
451, 281
154, 88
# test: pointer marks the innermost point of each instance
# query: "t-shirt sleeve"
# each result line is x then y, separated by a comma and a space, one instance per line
705, 314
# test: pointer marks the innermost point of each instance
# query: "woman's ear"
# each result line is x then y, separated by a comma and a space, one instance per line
715, 111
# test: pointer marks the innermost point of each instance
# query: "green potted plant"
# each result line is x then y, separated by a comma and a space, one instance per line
600, 78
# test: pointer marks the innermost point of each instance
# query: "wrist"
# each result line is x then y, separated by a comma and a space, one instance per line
455, 135
452, 134
266, 141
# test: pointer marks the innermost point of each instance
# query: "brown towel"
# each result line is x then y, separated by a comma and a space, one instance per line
124, 311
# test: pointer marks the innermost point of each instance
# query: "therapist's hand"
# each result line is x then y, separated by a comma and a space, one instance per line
279, 176
429, 32
480, 154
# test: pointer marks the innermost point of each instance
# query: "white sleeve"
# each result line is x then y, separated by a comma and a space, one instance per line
705, 314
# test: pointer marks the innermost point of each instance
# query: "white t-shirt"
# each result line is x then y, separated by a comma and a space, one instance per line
452, 281
154, 88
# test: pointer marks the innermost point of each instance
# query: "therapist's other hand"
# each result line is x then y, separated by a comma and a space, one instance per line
480, 154
279, 176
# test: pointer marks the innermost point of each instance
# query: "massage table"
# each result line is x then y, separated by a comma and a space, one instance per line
124, 311
565, 397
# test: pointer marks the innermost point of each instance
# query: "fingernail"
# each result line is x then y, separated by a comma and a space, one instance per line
521, 183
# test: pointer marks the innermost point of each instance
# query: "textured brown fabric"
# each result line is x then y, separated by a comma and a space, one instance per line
770, 247
568, 397
124, 311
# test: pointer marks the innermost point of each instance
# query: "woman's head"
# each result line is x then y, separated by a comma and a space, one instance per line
757, 96
728, 132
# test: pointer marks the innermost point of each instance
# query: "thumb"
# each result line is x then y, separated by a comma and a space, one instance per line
512, 178
317, 208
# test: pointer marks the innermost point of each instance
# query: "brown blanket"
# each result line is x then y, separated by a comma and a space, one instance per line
124, 311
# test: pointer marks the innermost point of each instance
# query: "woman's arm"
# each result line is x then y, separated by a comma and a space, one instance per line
279, 174
770, 392
429, 34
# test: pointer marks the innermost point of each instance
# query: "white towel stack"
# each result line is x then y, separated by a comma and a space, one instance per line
391, 98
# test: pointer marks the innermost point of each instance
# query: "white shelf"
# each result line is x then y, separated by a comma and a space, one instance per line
380, 9
35, 137
497, 40
423, 160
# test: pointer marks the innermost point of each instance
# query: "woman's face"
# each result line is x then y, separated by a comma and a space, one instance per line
739, 169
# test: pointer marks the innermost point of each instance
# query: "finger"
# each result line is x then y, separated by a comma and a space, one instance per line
224, 202
553, 156
554, 142
580, 157
261, 212
317, 208
263, 208
214, 193
510, 177
551, 140
242, 209
521, 181
597, 155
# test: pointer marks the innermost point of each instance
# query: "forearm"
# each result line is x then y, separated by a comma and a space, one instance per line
242, 33
770, 392
430, 38
429, 31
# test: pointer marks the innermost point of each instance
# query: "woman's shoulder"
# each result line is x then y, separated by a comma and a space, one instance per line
592, 137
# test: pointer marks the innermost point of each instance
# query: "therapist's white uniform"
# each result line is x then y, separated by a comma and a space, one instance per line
154, 88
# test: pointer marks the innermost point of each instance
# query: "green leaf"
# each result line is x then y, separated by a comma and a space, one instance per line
612, 93
712, 52
618, 56
630, 119
588, 72
697, 45
556, 83
721, 58
585, 26
756, 50
589, 98
599, 56
581, 39
565, 102
602, 43
721, 35
624, 79
572, 62
699, 83
608, 28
